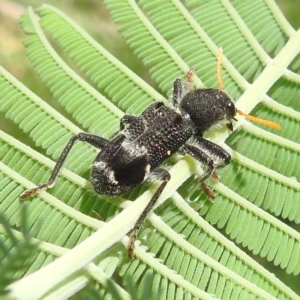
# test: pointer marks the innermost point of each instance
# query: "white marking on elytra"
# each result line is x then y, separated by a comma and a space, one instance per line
148, 167
100, 165
108, 171
111, 176
134, 149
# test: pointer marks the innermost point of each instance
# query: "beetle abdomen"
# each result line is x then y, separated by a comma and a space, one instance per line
123, 169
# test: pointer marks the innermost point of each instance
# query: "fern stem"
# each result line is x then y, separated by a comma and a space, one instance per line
51, 200
258, 212
102, 51
162, 42
68, 71
282, 109
270, 74
168, 273
251, 40
240, 81
232, 248
98, 242
80, 280
38, 101
249, 163
213, 264
275, 139
286, 27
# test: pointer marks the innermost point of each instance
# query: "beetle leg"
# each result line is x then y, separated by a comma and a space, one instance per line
198, 154
177, 92
207, 164
94, 140
165, 176
126, 120
220, 156
190, 75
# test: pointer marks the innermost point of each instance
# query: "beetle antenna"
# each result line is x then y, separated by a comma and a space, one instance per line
219, 65
258, 120
221, 87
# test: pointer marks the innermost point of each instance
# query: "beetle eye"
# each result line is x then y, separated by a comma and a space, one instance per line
230, 109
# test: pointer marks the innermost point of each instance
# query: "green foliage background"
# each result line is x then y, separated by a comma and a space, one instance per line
94, 18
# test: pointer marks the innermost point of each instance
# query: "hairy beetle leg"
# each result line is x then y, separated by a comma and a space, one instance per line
30, 193
92, 139
190, 75
165, 176
131, 246
208, 191
215, 176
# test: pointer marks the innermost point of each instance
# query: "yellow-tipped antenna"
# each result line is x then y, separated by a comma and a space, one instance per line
221, 87
258, 120
219, 72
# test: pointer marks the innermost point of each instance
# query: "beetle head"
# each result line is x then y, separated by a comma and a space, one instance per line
208, 107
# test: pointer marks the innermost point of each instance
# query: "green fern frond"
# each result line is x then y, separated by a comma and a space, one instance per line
88, 107
254, 58
15, 255
181, 246
121, 84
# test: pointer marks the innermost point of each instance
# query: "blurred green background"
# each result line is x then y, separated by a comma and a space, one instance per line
95, 19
